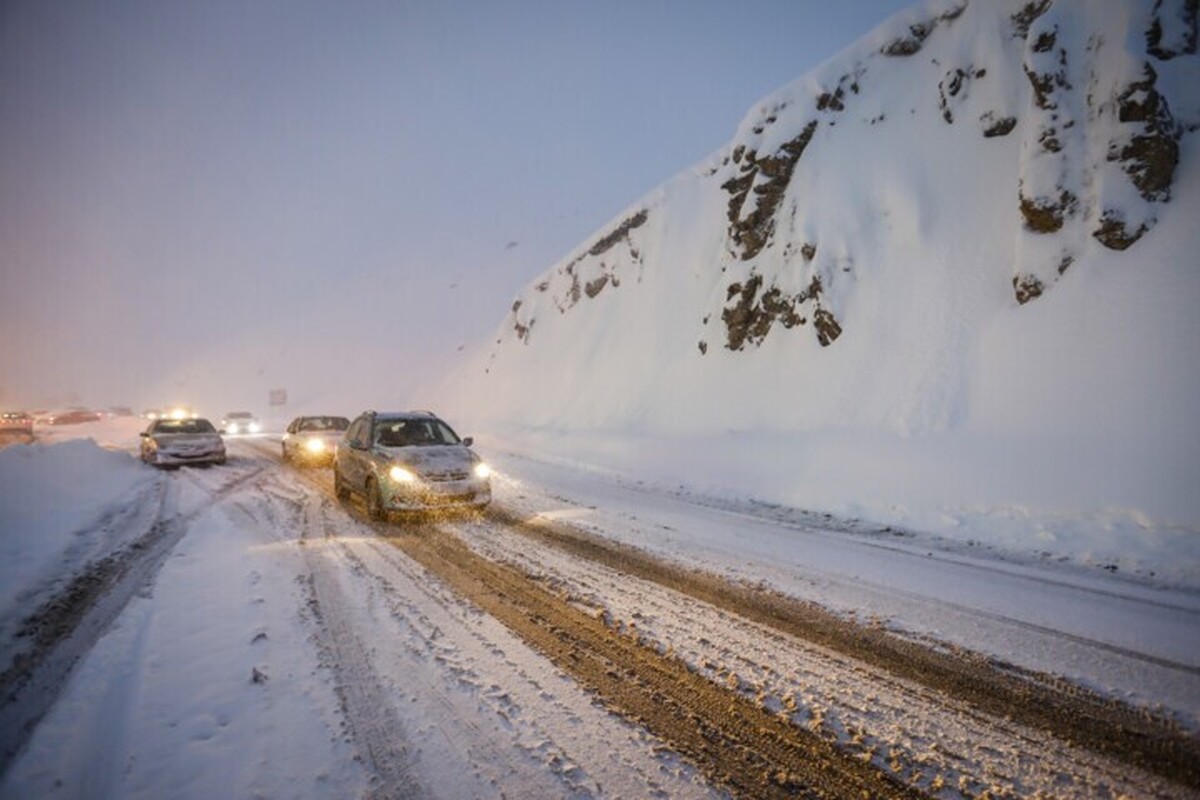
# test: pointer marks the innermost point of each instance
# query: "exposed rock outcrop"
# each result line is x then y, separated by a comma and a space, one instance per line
755, 194
749, 316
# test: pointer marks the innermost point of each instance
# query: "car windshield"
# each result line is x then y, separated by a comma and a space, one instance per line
239, 415
324, 424
184, 426
413, 433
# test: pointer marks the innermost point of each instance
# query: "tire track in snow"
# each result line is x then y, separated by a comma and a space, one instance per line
377, 730
1070, 713
511, 723
66, 626
737, 744
999, 692
491, 680
922, 735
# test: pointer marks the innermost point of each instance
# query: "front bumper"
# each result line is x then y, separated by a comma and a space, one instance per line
171, 458
306, 456
433, 495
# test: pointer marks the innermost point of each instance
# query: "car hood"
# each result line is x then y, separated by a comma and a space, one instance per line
433, 459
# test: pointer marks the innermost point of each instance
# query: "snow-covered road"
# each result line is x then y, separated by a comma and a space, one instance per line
1119, 635
281, 645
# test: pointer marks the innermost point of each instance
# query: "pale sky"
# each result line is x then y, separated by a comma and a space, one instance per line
186, 184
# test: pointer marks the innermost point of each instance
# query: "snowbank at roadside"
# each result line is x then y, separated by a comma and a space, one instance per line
52, 498
799, 478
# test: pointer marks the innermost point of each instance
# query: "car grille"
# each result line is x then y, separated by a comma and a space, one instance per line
447, 475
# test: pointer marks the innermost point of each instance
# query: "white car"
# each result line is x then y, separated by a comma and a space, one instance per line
409, 461
173, 442
312, 440
240, 422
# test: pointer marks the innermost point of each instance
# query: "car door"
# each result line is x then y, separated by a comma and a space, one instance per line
354, 465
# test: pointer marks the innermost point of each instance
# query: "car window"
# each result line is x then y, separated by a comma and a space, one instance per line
325, 424
445, 434
414, 433
183, 426
358, 431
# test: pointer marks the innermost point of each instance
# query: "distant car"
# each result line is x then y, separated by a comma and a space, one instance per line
313, 439
152, 413
120, 411
240, 422
172, 442
16, 421
410, 461
73, 416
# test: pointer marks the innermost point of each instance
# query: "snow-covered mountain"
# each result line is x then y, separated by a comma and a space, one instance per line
955, 266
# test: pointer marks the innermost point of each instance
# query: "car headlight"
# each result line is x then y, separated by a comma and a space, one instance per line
315, 445
232, 427
254, 427
401, 475
482, 470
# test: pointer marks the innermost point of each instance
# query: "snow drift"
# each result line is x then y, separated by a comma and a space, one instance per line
948, 275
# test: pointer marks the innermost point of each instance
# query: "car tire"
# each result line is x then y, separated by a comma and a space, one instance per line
375, 509
340, 490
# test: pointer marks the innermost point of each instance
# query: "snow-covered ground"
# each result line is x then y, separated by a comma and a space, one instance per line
214, 681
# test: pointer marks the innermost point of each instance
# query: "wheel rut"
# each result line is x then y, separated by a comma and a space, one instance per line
1068, 712
734, 742
60, 632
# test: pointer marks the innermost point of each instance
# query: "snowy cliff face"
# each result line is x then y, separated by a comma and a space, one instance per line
980, 217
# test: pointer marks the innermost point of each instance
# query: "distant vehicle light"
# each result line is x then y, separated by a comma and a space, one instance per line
254, 427
231, 427
482, 470
315, 445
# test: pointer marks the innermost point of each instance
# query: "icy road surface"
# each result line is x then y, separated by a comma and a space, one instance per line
235, 632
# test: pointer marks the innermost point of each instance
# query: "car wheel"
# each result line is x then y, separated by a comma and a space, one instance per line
375, 509
340, 490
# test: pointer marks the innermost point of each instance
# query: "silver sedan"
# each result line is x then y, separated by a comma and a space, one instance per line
173, 442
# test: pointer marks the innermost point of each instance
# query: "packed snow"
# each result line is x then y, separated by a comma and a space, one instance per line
215, 681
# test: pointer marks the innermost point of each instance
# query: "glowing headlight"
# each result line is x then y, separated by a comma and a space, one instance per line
179, 413
482, 470
254, 427
232, 427
315, 445
401, 475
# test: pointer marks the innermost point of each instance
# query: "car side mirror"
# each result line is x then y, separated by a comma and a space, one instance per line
470, 440
143, 434
357, 444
